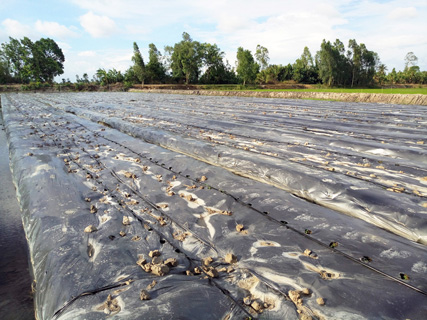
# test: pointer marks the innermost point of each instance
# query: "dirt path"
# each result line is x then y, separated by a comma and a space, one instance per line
419, 99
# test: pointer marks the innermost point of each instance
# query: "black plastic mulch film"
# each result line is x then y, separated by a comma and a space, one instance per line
261, 208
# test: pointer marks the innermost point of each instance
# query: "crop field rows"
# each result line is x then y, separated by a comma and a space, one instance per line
160, 206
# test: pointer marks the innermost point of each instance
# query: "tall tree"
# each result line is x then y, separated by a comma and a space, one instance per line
341, 71
358, 67
18, 57
39, 61
247, 68
216, 71
354, 56
187, 59
167, 60
155, 69
138, 64
102, 77
5, 76
304, 69
327, 63
48, 59
370, 61
261, 55
410, 60
392, 76
381, 75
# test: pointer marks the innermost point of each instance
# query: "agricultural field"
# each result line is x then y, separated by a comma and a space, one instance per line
158, 206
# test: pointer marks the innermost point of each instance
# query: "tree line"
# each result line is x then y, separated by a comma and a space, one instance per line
334, 65
192, 62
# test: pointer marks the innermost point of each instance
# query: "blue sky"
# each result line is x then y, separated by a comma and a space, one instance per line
99, 33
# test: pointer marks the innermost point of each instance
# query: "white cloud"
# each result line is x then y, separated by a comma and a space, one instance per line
98, 26
138, 29
391, 28
403, 13
54, 29
126, 9
15, 29
64, 46
89, 53
284, 29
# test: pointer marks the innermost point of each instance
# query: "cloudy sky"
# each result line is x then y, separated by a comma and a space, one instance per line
99, 33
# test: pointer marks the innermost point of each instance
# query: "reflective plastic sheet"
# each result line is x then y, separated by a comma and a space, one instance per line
306, 208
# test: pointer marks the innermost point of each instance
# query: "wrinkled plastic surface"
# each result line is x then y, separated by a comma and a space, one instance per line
353, 162
65, 164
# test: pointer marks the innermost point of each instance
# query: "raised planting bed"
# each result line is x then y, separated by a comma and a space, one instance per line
155, 206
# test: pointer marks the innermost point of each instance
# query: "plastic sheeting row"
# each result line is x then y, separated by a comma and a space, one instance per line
97, 203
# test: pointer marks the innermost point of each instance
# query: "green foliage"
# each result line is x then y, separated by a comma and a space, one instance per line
275, 74
357, 68
138, 64
83, 80
13, 52
130, 76
155, 70
261, 55
5, 76
304, 70
28, 61
78, 86
109, 77
187, 59
411, 74
127, 85
380, 75
48, 60
247, 68
35, 85
217, 72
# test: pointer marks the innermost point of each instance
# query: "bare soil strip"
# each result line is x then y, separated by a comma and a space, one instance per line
418, 99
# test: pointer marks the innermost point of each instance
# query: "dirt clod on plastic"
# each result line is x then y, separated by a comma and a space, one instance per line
141, 261
230, 258
207, 261
151, 285
210, 271
180, 236
110, 306
147, 267
171, 262
154, 253
90, 229
257, 306
320, 301
93, 209
160, 269
126, 221
240, 228
130, 175
144, 295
